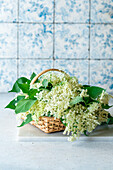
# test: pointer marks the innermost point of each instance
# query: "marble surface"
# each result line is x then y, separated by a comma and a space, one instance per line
80, 155
30, 133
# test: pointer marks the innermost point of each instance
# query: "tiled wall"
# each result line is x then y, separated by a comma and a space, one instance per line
74, 35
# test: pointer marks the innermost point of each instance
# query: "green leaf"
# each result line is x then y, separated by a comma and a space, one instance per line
89, 100
86, 86
32, 93
32, 76
24, 105
85, 133
50, 86
103, 123
110, 119
20, 81
24, 87
49, 114
20, 98
27, 120
45, 83
76, 100
42, 88
11, 105
62, 121
106, 106
37, 81
94, 91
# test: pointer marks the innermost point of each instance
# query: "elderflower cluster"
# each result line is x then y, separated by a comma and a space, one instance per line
77, 118
104, 98
84, 93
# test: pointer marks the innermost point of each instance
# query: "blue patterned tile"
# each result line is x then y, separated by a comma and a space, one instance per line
71, 41
102, 41
8, 74
72, 11
8, 40
36, 41
36, 11
8, 10
27, 67
78, 68
102, 11
102, 74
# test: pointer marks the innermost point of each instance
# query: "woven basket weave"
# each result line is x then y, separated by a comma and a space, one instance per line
48, 124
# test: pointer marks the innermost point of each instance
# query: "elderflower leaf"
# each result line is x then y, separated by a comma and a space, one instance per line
93, 91
110, 119
16, 87
24, 105
12, 104
27, 120
45, 83
106, 106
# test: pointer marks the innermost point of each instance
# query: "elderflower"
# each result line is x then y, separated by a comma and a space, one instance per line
56, 102
104, 98
84, 93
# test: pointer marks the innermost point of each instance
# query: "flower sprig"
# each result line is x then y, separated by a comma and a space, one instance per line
81, 108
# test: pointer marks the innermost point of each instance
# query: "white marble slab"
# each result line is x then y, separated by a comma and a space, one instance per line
30, 133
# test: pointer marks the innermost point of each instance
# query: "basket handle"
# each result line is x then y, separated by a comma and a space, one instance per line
52, 69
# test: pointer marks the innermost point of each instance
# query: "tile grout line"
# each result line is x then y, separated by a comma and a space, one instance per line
18, 43
89, 41
93, 59
18, 12
53, 33
89, 58
89, 11
53, 48
83, 23
18, 51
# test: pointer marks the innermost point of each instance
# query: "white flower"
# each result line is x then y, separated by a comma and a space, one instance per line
56, 103
84, 93
72, 138
104, 98
94, 107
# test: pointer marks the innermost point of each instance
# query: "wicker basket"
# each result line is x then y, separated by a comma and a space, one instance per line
48, 124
